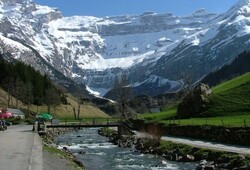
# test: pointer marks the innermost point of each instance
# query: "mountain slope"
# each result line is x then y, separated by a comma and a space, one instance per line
233, 83
149, 48
230, 98
230, 37
237, 67
230, 102
15, 50
61, 111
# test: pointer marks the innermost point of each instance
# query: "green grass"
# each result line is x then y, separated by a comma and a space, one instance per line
64, 155
229, 106
230, 98
168, 146
199, 153
165, 114
229, 121
232, 83
55, 151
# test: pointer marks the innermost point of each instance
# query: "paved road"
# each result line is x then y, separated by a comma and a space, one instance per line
202, 144
20, 149
209, 145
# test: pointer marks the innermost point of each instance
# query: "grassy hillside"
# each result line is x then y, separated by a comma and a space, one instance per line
231, 98
228, 121
88, 110
234, 83
239, 66
230, 105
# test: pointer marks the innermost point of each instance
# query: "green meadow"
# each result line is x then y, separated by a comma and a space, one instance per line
229, 106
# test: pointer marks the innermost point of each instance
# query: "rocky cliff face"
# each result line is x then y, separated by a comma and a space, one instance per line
195, 102
155, 50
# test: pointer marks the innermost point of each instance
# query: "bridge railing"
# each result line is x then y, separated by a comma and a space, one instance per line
91, 121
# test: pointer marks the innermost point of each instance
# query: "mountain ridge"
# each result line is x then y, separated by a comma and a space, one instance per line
239, 66
95, 51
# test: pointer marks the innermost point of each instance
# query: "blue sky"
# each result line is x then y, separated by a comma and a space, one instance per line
102, 8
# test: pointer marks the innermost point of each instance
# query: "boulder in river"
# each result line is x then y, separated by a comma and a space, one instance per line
187, 158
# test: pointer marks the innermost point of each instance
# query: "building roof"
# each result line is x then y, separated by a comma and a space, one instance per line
15, 111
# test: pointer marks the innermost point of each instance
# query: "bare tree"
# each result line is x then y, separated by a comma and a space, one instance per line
78, 110
185, 79
143, 108
74, 112
52, 98
186, 82
80, 96
18, 91
8, 84
28, 95
123, 92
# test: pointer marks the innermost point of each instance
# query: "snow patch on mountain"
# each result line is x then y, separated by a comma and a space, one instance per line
97, 91
42, 10
157, 81
7, 43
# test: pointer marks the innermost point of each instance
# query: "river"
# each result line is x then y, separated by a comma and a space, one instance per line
96, 153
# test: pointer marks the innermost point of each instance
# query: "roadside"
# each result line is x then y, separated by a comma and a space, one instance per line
22, 149
201, 143
175, 149
56, 161
208, 145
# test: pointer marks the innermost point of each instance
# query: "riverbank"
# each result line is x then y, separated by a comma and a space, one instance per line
96, 152
204, 158
56, 159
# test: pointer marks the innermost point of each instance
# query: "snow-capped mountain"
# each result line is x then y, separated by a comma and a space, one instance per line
155, 50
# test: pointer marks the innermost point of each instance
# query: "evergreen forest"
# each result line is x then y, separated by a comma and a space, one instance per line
27, 85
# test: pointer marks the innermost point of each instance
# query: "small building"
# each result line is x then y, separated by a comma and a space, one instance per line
16, 113
155, 110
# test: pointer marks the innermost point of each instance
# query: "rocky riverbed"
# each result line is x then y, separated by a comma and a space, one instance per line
205, 158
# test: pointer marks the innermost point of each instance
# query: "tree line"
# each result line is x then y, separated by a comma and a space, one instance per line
27, 85
239, 66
